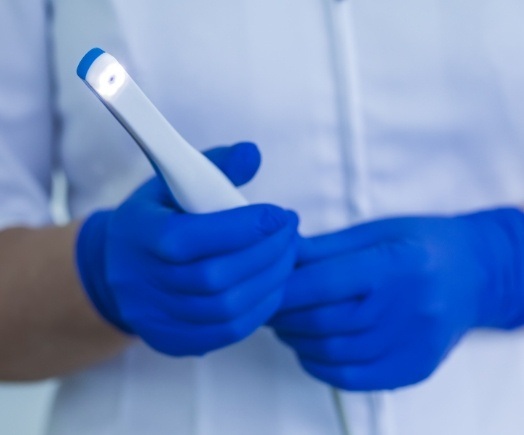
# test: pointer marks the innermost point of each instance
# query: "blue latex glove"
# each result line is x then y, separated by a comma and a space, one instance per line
380, 305
185, 283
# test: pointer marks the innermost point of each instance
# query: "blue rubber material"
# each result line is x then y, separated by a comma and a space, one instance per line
87, 61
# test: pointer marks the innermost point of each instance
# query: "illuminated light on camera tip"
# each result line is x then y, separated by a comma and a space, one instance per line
103, 73
111, 80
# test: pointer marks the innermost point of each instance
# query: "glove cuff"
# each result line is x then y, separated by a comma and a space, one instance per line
502, 249
90, 262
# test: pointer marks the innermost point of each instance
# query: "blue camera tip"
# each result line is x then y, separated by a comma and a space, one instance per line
87, 61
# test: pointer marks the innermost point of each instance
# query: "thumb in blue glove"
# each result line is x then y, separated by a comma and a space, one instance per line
188, 284
380, 305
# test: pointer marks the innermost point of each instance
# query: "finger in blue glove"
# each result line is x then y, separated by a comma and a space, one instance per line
380, 305
188, 284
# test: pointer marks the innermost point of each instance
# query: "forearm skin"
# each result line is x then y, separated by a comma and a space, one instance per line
48, 326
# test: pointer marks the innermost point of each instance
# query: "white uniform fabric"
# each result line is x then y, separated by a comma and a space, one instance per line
361, 109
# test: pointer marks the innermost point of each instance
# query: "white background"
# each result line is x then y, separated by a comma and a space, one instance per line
24, 407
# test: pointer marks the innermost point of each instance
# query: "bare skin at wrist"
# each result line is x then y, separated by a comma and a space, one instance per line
48, 327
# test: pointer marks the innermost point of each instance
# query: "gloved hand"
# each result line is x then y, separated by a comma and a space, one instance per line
380, 305
185, 283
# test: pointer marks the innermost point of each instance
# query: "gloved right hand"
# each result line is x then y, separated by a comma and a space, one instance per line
185, 283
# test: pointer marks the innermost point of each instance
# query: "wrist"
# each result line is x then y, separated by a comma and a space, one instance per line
90, 262
500, 249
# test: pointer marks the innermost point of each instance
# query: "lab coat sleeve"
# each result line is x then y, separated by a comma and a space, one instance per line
26, 119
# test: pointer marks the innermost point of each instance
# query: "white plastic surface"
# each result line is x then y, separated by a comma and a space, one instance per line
196, 183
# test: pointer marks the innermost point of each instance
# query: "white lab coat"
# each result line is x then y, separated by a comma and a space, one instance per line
361, 109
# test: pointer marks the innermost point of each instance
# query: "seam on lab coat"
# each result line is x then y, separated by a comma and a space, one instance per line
345, 70
344, 80
339, 17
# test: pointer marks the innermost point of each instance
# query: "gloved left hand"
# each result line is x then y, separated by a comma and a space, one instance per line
380, 305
